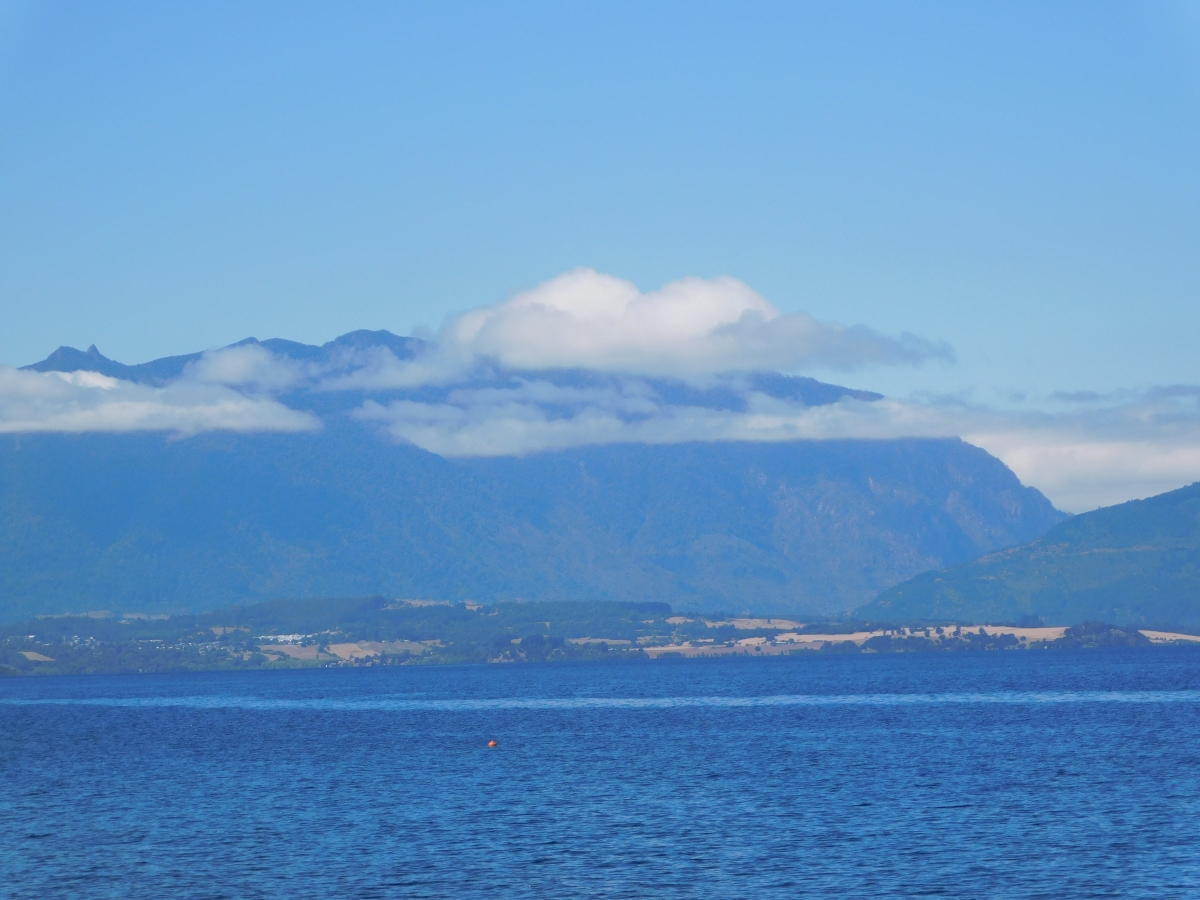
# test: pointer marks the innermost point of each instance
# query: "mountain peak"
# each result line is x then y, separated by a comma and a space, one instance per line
167, 368
69, 359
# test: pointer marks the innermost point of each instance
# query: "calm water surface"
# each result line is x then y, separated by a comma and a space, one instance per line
991, 775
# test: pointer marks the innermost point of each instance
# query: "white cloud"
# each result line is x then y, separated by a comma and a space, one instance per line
88, 401
688, 328
535, 415
379, 369
1080, 459
246, 366
1106, 450
1080, 473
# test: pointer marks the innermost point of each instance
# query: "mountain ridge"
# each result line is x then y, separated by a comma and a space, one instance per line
156, 522
1137, 563
165, 525
158, 372
164, 369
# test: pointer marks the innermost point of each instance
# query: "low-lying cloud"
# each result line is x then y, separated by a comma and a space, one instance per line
1081, 459
536, 416
1087, 452
1107, 451
88, 401
247, 366
493, 383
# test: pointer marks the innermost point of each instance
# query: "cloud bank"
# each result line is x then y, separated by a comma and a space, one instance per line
588, 359
1105, 451
535, 416
1128, 447
88, 401
248, 366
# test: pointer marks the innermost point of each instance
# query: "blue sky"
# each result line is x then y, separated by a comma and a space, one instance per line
1016, 180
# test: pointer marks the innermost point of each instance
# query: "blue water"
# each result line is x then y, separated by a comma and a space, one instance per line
995, 775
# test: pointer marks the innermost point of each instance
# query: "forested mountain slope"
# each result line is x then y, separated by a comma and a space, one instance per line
142, 522
1136, 563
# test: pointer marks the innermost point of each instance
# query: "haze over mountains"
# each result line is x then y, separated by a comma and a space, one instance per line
337, 491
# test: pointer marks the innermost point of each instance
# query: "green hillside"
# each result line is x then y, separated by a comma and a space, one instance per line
1137, 563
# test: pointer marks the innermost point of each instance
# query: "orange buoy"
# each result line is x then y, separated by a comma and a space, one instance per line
493, 744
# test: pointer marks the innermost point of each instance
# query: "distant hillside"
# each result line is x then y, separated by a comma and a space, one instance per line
1137, 563
148, 522
145, 523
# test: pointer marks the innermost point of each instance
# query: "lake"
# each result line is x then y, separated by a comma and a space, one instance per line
1019, 774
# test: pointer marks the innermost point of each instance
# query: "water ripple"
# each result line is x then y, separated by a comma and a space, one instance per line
1006, 776
401, 703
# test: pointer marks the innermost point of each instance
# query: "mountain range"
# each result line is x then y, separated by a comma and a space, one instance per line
153, 522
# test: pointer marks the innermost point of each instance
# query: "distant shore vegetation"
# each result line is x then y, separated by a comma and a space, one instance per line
375, 631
